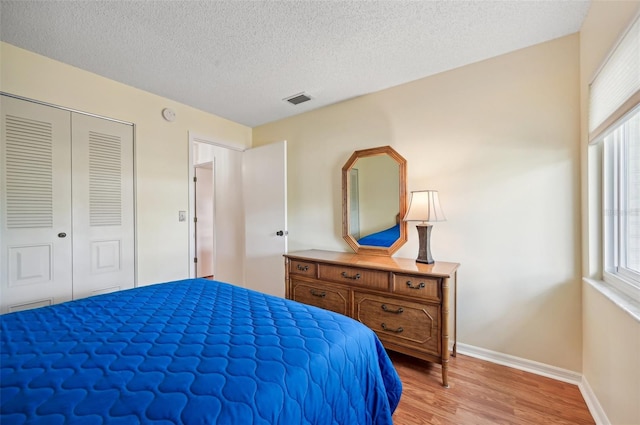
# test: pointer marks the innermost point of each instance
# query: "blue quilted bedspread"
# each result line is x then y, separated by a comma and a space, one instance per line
384, 238
192, 352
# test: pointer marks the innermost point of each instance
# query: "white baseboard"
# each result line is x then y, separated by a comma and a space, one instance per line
596, 410
553, 372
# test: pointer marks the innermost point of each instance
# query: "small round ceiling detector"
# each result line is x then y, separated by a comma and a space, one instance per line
169, 114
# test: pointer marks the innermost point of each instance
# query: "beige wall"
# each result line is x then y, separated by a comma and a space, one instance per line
499, 140
611, 359
161, 147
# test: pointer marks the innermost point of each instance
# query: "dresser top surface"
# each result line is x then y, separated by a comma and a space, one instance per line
395, 264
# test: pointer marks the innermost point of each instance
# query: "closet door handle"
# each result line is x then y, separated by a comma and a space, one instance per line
62, 235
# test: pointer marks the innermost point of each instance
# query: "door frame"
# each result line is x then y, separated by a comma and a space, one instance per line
211, 165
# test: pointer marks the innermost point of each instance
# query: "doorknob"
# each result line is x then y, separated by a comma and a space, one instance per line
281, 233
62, 235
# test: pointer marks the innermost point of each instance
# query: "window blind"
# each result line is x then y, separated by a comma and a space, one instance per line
615, 90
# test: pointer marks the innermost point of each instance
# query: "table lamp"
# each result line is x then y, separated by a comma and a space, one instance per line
424, 207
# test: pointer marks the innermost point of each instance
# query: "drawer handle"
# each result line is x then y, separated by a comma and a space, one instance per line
388, 310
384, 326
410, 285
318, 294
354, 277
303, 268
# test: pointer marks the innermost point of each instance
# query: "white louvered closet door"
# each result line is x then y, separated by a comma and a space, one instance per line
35, 185
103, 199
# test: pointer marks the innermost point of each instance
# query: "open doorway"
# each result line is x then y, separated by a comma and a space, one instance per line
249, 212
224, 244
204, 221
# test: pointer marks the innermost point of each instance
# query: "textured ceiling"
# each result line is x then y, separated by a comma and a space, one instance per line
240, 59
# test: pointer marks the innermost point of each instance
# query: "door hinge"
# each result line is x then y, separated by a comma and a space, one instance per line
195, 179
195, 219
195, 259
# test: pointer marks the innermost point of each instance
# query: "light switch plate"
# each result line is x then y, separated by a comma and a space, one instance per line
182, 216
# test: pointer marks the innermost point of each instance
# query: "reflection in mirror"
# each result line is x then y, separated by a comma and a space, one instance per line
374, 201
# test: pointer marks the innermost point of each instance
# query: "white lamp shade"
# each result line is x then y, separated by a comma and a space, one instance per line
424, 206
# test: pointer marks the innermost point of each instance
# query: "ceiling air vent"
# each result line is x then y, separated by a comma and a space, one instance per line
297, 99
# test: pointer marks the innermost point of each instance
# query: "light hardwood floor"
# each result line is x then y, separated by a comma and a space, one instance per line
482, 393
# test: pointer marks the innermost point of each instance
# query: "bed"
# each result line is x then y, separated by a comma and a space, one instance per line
192, 352
384, 238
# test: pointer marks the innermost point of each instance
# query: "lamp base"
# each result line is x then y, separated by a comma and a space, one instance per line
424, 244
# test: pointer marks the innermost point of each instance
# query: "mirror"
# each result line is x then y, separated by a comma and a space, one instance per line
374, 201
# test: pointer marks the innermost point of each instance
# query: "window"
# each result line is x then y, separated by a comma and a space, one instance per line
621, 199
614, 129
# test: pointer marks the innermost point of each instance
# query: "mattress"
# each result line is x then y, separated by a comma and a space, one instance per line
192, 352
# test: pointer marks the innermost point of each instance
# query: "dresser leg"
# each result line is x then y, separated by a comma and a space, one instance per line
445, 375
455, 315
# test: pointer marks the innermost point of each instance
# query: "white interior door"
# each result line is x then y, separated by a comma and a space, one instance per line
205, 241
103, 200
35, 214
265, 202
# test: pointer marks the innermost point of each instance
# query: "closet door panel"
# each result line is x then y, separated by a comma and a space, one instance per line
103, 199
35, 198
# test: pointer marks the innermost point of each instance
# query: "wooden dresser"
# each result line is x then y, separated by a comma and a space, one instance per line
406, 303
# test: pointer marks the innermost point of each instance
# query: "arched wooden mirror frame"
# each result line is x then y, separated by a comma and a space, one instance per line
402, 201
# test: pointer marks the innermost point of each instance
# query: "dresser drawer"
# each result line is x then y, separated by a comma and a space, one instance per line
302, 268
377, 279
403, 323
417, 286
323, 296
